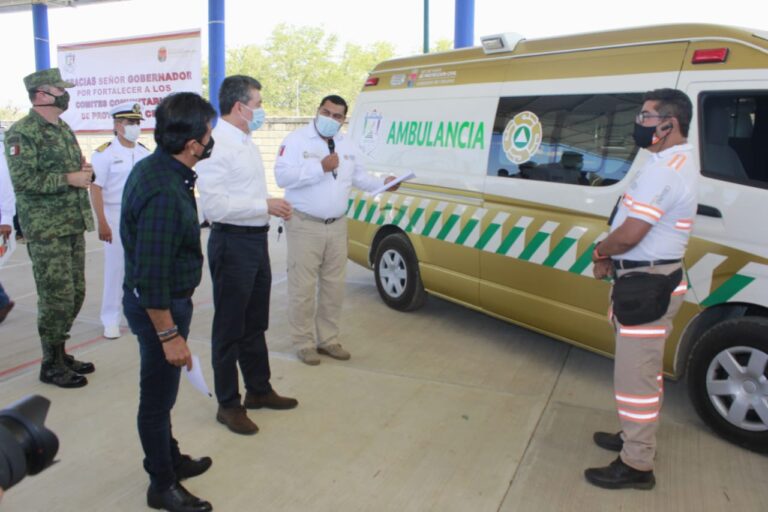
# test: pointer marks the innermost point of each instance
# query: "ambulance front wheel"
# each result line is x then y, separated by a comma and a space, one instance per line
728, 381
397, 274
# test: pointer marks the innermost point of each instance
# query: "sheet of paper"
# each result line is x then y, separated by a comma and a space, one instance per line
196, 377
407, 176
7, 246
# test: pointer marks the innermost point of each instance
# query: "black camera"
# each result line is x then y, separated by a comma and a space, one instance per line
26, 446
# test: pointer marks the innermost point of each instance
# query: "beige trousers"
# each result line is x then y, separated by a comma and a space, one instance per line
637, 377
317, 263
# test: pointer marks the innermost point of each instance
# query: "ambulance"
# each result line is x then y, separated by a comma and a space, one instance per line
521, 148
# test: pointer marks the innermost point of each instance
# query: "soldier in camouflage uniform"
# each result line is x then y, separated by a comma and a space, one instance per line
51, 180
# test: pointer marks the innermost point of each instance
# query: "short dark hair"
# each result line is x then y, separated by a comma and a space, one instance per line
181, 117
336, 100
674, 103
236, 88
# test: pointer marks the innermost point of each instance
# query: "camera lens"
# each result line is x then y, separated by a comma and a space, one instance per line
26, 446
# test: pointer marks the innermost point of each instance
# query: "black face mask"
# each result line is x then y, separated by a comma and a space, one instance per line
643, 135
61, 102
207, 149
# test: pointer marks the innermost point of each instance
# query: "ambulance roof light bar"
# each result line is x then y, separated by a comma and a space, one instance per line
498, 43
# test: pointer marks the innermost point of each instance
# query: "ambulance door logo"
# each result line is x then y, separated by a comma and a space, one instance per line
371, 127
522, 137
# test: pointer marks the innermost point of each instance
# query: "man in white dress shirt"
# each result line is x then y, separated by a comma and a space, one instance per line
233, 194
112, 163
317, 167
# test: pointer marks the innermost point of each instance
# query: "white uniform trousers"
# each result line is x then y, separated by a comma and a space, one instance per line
114, 270
317, 264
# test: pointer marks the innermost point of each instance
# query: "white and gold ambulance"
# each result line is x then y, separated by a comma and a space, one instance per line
521, 149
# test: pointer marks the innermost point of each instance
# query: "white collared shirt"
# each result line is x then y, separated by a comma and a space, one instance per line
310, 190
112, 164
663, 194
7, 197
232, 183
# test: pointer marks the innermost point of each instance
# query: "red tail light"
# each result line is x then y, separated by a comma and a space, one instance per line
373, 80
709, 56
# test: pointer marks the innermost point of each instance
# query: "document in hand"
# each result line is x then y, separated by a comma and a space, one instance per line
196, 378
407, 176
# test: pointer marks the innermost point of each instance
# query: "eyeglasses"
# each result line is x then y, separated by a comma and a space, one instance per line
642, 116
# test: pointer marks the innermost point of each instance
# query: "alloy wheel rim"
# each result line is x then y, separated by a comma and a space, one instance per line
737, 386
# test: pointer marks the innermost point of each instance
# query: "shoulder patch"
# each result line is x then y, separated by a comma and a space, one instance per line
104, 146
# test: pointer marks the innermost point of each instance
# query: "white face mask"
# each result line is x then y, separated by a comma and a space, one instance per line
131, 132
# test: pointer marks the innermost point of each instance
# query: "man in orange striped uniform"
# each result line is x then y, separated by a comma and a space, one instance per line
649, 235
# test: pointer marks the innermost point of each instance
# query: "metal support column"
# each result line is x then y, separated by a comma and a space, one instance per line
426, 26
216, 59
464, 24
40, 25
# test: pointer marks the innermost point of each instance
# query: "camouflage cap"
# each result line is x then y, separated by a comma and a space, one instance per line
50, 76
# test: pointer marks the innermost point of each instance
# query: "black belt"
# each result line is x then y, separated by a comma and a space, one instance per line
183, 294
231, 228
627, 264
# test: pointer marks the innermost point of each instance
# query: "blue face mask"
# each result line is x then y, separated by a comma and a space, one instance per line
326, 126
257, 119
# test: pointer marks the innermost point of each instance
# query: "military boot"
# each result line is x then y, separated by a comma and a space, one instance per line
56, 372
76, 366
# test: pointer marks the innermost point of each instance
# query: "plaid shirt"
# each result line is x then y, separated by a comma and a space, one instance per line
160, 231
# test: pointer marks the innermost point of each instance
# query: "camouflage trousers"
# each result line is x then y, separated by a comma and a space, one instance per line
59, 269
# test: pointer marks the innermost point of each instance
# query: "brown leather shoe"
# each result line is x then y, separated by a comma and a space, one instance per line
269, 400
236, 420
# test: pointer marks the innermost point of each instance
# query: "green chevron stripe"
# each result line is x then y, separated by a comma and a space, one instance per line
486, 236
400, 213
359, 209
727, 290
371, 212
453, 219
466, 231
416, 216
538, 239
583, 261
510, 239
349, 205
558, 252
431, 223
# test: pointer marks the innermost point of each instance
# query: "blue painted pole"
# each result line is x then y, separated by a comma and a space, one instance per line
42, 47
216, 61
464, 24
426, 26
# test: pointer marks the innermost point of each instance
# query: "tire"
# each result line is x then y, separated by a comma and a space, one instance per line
397, 274
728, 381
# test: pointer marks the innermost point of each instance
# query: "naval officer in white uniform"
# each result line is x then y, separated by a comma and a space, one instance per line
112, 163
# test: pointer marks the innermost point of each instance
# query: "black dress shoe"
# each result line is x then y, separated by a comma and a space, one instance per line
189, 467
61, 376
609, 441
176, 499
76, 366
618, 475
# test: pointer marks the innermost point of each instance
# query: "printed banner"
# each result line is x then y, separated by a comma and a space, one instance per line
143, 69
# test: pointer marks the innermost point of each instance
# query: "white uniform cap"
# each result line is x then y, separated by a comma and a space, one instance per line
127, 110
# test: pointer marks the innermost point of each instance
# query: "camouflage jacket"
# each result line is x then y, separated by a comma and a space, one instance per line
39, 155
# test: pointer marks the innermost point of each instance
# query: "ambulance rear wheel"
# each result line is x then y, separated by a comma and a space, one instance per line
728, 381
397, 274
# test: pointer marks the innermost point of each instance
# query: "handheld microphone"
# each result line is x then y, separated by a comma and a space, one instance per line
331, 149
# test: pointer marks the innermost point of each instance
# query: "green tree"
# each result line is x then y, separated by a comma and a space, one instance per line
299, 65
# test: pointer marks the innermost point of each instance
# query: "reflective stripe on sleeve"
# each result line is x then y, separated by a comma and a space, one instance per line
643, 332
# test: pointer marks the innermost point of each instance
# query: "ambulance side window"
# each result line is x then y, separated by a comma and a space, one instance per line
580, 139
734, 136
